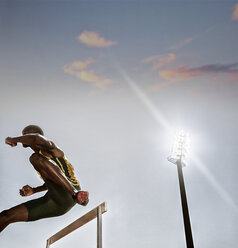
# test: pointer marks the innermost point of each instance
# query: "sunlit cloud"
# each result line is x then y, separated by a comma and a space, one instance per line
233, 76
179, 74
90, 76
182, 43
159, 61
187, 41
185, 72
235, 13
79, 69
77, 65
93, 39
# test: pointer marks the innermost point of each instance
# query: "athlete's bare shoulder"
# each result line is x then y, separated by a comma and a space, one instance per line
53, 150
49, 148
56, 151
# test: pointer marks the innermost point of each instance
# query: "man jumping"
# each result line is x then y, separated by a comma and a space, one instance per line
58, 174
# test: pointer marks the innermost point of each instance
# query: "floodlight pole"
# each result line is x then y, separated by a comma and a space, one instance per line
187, 225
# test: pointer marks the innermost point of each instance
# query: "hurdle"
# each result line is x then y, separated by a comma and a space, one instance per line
94, 213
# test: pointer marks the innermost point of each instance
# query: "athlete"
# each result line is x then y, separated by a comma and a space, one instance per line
63, 189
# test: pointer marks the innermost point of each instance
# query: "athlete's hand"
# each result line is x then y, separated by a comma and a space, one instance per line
9, 141
26, 190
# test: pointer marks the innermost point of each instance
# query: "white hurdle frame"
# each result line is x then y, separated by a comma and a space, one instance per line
94, 213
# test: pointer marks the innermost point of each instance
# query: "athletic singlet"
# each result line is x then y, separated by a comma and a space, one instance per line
66, 168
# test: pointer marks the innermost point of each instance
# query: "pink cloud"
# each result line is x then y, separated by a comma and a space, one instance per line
92, 77
79, 69
233, 76
182, 43
179, 74
93, 39
184, 72
159, 61
77, 65
235, 13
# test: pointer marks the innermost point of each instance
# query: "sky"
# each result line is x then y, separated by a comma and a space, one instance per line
110, 82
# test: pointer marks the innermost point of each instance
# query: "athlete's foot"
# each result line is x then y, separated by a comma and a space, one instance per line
81, 197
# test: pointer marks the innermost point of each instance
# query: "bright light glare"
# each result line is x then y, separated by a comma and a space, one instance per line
180, 148
160, 118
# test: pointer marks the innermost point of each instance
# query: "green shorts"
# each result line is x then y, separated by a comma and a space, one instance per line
55, 202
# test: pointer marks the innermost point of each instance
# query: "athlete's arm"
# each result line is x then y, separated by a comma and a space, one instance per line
35, 140
30, 140
28, 190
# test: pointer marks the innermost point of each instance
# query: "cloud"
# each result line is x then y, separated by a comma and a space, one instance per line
184, 72
182, 43
233, 76
93, 39
90, 76
179, 74
235, 13
79, 70
77, 65
159, 61
188, 40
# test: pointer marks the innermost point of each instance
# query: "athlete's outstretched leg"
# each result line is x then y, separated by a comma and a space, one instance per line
15, 214
50, 171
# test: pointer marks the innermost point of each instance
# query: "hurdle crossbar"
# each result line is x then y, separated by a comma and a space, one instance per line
94, 213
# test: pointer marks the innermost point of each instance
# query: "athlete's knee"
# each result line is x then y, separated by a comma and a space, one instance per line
4, 220
37, 161
34, 158
15, 214
5, 217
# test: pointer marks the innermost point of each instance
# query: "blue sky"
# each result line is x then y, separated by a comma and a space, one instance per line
110, 82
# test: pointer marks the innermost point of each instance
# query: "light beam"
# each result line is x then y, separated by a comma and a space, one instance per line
161, 119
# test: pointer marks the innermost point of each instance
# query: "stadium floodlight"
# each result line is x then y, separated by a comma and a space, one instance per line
178, 157
180, 148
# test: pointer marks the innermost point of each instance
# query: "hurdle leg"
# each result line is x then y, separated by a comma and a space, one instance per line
99, 227
94, 213
47, 244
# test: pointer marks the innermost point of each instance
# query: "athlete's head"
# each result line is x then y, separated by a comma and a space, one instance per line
32, 129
